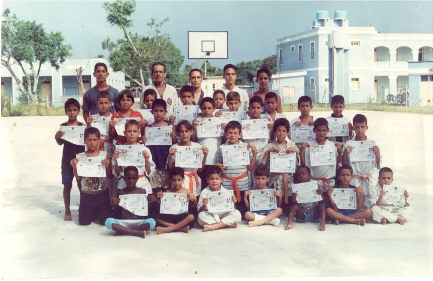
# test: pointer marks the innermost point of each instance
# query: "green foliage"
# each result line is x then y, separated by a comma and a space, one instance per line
399, 99
31, 110
118, 12
247, 70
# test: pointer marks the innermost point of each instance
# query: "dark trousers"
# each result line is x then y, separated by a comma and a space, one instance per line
94, 207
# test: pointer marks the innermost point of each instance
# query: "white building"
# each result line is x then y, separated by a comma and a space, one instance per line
59, 85
359, 63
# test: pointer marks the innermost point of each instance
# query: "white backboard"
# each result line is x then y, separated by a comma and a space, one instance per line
207, 44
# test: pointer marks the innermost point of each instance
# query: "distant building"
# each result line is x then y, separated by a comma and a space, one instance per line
359, 63
59, 85
212, 83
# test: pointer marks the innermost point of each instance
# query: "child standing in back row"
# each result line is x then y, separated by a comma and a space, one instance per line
337, 105
72, 109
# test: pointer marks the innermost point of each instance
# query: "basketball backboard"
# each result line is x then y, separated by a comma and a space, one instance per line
207, 44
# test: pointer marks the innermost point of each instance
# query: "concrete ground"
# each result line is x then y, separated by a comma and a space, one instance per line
36, 243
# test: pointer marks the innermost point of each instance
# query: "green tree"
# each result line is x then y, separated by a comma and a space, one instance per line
134, 54
247, 70
28, 45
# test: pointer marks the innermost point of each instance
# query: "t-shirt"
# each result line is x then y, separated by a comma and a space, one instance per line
118, 114
70, 149
325, 171
159, 154
90, 100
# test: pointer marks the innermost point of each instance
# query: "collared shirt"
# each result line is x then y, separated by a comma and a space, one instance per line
170, 96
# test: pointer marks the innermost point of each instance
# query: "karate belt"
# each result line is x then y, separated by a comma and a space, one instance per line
192, 175
325, 182
235, 185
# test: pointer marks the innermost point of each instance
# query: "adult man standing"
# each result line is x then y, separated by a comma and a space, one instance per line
195, 79
90, 106
163, 90
230, 76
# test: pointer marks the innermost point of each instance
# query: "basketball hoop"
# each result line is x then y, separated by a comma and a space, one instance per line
207, 45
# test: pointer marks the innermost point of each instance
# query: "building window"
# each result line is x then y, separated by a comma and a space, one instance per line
292, 48
424, 78
312, 50
299, 52
354, 84
355, 43
281, 56
421, 54
312, 83
213, 87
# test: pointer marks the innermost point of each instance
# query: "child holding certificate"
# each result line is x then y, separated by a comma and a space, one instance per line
149, 96
144, 165
92, 179
262, 216
390, 203
261, 137
104, 102
321, 155
280, 148
342, 210
271, 105
307, 210
363, 155
130, 208
126, 101
192, 159
72, 109
159, 147
220, 99
215, 205
236, 159
343, 134
304, 123
173, 220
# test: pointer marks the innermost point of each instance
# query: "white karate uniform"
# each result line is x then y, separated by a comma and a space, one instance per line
327, 171
243, 95
386, 210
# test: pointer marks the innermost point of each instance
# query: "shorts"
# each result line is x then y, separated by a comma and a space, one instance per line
308, 216
347, 212
174, 218
67, 175
94, 207
130, 223
263, 212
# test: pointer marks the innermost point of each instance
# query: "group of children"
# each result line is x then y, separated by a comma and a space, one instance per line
158, 173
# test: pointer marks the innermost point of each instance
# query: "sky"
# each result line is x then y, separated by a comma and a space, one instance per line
253, 26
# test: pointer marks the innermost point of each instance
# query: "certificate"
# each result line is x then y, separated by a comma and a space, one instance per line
362, 151
282, 162
130, 155
255, 129
147, 115
174, 203
209, 127
323, 155
101, 123
262, 199
306, 192
91, 166
338, 127
344, 198
394, 195
228, 116
135, 203
120, 124
73, 134
186, 112
188, 157
235, 155
158, 135
303, 133
220, 201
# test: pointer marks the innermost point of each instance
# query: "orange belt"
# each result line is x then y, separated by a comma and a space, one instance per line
192, 175
324, 181
141, 176
235, 185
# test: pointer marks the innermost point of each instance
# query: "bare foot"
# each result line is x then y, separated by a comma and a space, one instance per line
207, 227
144, 226
233, 225
384, 221
289, 226
67, 217
161, 230
336, 222
401, 220
361, 222
185, 229
322, 226
144, 234
253, 223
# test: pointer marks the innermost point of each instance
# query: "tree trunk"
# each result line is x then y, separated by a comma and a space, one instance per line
79, 76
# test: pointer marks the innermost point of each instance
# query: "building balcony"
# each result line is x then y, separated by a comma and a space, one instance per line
391, 64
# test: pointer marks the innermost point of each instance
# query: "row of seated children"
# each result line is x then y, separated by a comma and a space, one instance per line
233, 132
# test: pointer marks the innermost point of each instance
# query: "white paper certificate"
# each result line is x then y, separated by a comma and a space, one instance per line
228, 116
344, 198
306, 192
188, 157
338, 127
235, 155
101, 123
73, 134
394, 195
135, 203
147, 115
91, 166
362, 151
282, 162
322, 155
120, 124
186, 112
255, 129
220, 201
263, 199
130, 155
174, 203
158, 135
209, 127
303, 133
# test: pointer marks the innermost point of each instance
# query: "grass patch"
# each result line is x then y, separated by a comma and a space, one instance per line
31, 110
368, 107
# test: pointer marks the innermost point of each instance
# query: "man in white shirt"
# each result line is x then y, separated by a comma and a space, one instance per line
163, 90
195, 79
230, 76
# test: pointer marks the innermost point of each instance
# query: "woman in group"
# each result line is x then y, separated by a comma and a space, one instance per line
263, 78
